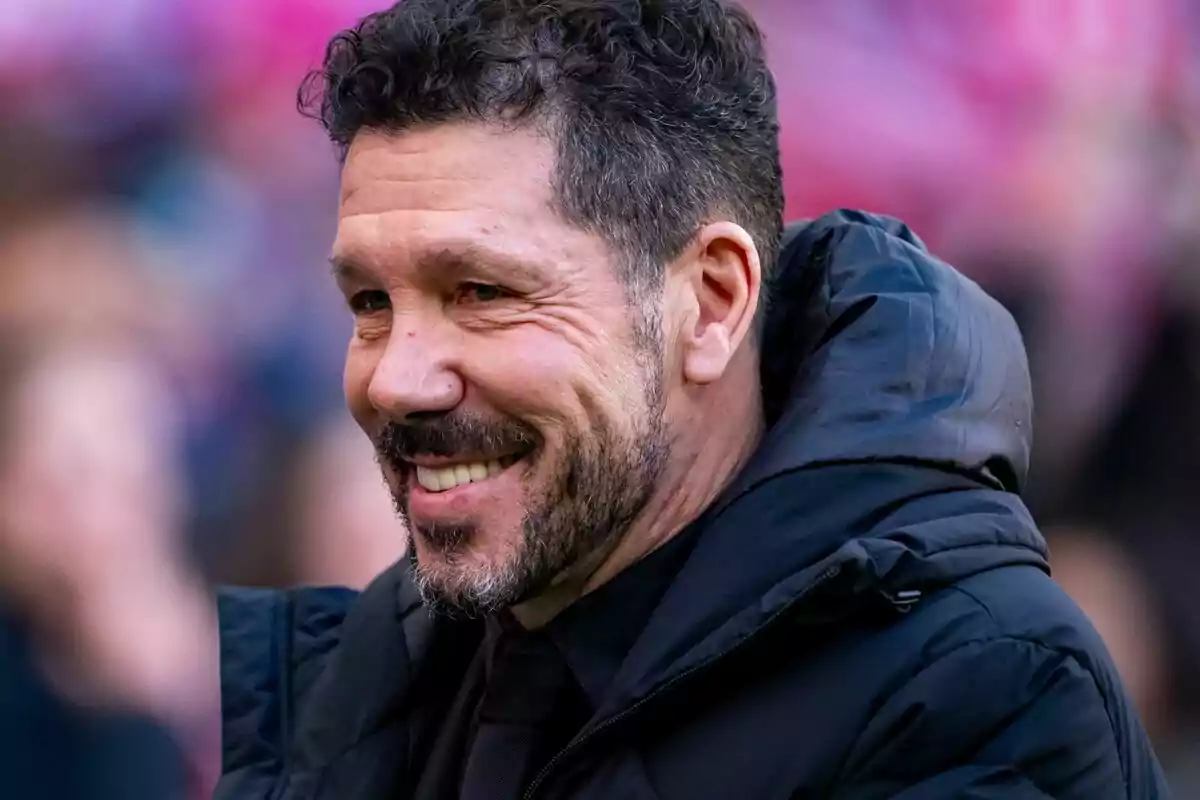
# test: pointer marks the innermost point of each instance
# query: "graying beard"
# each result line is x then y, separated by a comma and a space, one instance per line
484, 593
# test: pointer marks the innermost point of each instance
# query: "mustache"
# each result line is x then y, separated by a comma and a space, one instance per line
452, 435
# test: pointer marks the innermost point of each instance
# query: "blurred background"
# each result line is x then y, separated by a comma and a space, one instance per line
170, 342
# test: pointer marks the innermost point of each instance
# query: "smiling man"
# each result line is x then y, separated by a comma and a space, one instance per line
515, 380
699, 508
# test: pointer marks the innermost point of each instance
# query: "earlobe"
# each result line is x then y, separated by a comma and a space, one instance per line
725, 277
708, 356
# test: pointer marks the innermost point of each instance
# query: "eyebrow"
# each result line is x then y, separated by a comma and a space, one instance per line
454, 261
345, 269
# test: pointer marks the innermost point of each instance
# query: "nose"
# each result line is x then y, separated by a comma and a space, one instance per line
414, 379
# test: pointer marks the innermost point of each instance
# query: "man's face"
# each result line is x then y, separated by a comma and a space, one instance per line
496, 362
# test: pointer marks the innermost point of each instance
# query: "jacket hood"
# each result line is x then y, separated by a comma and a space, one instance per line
899, 408
874, 349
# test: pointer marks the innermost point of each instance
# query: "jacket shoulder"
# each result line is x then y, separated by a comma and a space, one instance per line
274, 645
1012, 683
1028, 606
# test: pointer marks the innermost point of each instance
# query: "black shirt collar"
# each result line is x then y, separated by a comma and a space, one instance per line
596, 632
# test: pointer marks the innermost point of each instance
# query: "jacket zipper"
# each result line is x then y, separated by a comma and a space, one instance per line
530, 793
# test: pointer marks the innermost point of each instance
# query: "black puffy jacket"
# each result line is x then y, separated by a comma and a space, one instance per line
867, 613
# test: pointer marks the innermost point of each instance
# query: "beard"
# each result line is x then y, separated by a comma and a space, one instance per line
602, 480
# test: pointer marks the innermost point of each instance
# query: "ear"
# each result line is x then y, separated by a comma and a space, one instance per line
719, 278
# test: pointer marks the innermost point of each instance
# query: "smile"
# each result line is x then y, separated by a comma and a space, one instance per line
451, 476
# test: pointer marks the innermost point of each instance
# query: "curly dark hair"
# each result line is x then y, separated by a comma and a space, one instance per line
663, 111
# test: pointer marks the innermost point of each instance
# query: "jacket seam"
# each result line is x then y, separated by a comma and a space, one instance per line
1009, 638
285, 617
1002, 636
321, 769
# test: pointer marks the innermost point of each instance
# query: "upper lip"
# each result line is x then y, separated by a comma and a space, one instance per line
436, 462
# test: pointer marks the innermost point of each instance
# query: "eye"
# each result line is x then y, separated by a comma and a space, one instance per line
479, 293
370, 302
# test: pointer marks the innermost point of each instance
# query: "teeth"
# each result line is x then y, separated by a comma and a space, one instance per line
445, 478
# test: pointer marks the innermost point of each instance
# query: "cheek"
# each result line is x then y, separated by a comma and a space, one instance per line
550, 382
530, 375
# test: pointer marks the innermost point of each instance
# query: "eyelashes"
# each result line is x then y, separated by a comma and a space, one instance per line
376, 301
472, 292
370, 302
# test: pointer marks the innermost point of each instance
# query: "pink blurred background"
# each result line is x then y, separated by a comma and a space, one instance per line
165, 216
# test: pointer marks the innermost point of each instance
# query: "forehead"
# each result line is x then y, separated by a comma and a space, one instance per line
438, 167
453, 185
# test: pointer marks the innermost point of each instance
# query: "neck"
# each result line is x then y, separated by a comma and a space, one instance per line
715, 441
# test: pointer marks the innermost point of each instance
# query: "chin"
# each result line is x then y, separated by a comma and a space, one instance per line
457, 572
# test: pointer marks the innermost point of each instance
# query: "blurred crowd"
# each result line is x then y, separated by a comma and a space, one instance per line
171, 343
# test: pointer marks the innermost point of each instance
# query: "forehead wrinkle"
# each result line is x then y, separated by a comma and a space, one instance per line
466, 257
491, 246
387, 194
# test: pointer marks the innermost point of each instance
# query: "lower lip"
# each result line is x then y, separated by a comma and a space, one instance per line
462, 501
